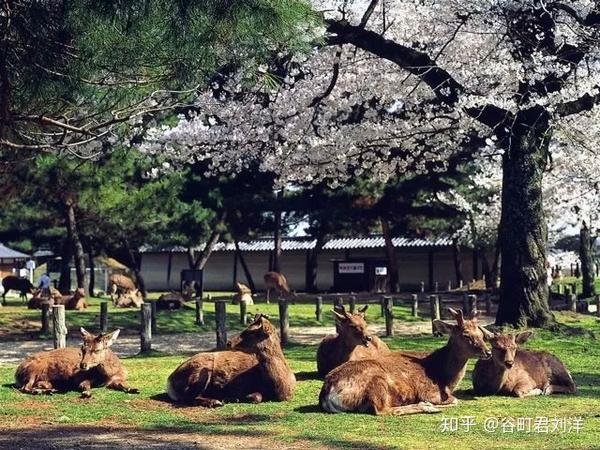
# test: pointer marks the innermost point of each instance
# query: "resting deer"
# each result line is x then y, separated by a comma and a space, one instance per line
406, 383
243, 294
352, 342
76, 301
275, 281
64, 369
252, 369
518, 372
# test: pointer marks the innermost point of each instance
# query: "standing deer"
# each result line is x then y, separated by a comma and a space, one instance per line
243, 294
352, 342
277, 282
118, 285
518, 372
64, 369
23, 285
407, 383
252, 369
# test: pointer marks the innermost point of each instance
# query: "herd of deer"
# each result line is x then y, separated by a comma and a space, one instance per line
361, 374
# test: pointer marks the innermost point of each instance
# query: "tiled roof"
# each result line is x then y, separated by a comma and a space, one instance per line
6, 252
264, 244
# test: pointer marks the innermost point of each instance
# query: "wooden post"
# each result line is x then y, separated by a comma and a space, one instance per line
103, 317
382, 304
243, 312
415, 305
449, 285
319, 308
598, 305
153, 316
574, 288
567, 293
436, 287
389, 315
472, 304
338, 302
221, 329
45, 318
352, 303
284, 322
465, 308
199, 312
573, 302
434, 303
59, 327
146, 328
422, 287
488, 303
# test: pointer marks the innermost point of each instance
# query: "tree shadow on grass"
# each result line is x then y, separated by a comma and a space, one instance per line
307, 409
304, 376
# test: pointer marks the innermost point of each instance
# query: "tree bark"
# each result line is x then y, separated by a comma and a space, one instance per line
457, 262
198, 262
64, 282
134, 264
313, 263
587, 262
276, 266
78, 253
92, 280
242, 260
390, 251
523, 232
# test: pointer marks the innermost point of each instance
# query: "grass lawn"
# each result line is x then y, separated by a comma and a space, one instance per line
300, 423
569, 281
17, 322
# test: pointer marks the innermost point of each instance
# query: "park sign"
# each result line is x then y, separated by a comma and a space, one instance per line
351, 267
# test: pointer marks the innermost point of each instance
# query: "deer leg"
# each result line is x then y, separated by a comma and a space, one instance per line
206, 402
43, 387
558, 389
119, 385
522, 391
417, 408
268, 291
85, 387
255, 397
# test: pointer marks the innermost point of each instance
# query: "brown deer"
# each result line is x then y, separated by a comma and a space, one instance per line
118, 285
243, 294
518, 372
76, 301
64, 369
275, 281
407, 383
352, 342
38, 298
129, 299
252, 369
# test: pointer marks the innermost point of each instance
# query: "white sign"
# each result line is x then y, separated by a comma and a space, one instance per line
380, 270
351, 268
30, 264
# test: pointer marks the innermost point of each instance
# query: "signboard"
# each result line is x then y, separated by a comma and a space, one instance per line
380, 270
351, 267
30, 264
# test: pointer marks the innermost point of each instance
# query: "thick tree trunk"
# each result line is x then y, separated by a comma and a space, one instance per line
134, 264
64, 282
245, 268
79, 255
587, 262
458, 273
313, 263
523, 232
276, 265
390, 251
92, 281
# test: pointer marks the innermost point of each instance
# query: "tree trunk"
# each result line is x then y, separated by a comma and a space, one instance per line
313, 263
486, 269
390, 251
587, 263
134, 264
242, 260
64, 282
198, 262
276, 266
523, 232
78, 253
92, 281
457, 262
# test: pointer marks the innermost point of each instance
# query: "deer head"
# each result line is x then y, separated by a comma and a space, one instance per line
467, 336
94, 348
352, 327
505, 346
257, 334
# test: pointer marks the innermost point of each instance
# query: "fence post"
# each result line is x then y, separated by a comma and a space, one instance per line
153, 316
103, 317
573, 302
598, 305
221, 329
338, 302
199, 312
243, 312
45, 318
389, 316
574, 288
488, 303
284, 322
449, 285
146, 328
382, 303
319, 308
465, 299
434, 303
59, 327
415, 305
472, 304
352, 303
436, 286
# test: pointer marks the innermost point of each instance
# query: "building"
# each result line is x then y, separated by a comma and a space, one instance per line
344, 264
11, 261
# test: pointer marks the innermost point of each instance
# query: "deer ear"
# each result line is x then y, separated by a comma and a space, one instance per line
338, 316
443, 327
521, 338
487, 335
458, 316
363, 309
85, 333
110, 338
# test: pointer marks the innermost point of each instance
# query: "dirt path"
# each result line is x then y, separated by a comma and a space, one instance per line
13, 352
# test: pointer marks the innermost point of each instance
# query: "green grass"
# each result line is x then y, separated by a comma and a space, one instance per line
17, 322
301, 421
569, 281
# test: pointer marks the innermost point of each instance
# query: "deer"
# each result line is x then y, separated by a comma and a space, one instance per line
133, 298
243, 294
252, 369
76, 301
92, 365
23, 285
407, 382
277, 282
118, 285
520, 373
352, 342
